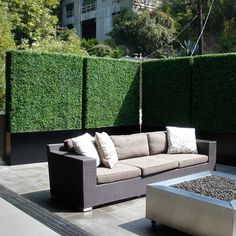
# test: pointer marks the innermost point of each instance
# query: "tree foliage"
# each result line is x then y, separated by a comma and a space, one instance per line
6, 42
33, 20
144, 31
65, 42
223, 13
228, 36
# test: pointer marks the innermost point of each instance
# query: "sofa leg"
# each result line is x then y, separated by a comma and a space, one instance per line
87, 209
153, 222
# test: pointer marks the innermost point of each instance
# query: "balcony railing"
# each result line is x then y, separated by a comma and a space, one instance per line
88, 7
69, 14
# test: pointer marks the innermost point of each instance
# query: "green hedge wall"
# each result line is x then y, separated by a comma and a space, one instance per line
44, 91
214, 93
112, 92
167, 92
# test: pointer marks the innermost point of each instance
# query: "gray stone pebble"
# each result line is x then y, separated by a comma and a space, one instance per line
211, 186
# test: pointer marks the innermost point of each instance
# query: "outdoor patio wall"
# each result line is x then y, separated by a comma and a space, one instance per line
111, 92
44, 91
61, 92
214, 93
167, 92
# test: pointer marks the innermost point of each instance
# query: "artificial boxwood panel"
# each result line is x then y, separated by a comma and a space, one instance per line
167, 92
214, 93
44, 91
111, 93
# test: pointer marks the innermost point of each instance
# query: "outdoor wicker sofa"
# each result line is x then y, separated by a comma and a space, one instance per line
143, 159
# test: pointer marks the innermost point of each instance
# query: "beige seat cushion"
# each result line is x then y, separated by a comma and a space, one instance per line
157, 142
151, 164
129, 146
185, 159
118, 172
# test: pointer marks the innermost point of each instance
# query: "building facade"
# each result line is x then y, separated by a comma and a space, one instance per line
93, 18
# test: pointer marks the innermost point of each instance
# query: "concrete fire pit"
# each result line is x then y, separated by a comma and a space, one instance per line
190, 212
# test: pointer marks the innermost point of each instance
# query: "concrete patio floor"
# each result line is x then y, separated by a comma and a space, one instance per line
123, 218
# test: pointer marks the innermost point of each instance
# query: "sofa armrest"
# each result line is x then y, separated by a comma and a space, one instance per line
208, 148
72, 177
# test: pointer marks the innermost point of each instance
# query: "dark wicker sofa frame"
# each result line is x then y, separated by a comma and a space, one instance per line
73, 177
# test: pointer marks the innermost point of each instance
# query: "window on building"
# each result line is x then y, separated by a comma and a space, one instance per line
69, 10
88, 5
89, 29
115, 13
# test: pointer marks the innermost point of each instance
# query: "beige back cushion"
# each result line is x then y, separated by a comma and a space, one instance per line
157, 142
129, 146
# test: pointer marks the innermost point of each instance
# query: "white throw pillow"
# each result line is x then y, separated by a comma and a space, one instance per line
181, 140
106, 149
85, 145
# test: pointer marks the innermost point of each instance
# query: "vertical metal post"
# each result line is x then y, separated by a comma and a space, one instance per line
141, 95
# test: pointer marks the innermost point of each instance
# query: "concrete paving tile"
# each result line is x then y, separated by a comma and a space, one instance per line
86, 215
16, 222
123, 205
21, 185
130, 213
121, 218
4, 167
31, 172
99, 223
30, 166
6, 172
105, 224
40, 179
66, 211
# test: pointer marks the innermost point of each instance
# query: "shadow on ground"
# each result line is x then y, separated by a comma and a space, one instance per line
44, 199
144, 228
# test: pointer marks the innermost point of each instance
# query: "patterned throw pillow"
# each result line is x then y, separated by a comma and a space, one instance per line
85, 145
181, 140
106, 149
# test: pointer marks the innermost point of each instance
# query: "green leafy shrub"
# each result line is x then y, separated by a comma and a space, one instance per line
6, 42
88, 43
44, 91
67, 42
103, 49
100, 50
214, 93
166, 92
112, 93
